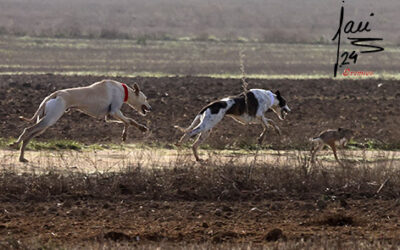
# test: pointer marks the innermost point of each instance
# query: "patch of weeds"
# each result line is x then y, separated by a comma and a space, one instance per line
97, 146
253, 146
374, 145
371, 144
354, 145
111, 146
5, 142
205, 146
56, 145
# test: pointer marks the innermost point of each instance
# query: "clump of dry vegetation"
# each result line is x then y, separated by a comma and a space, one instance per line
215, 180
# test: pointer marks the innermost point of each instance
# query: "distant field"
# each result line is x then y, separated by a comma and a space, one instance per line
262, 20
183, 57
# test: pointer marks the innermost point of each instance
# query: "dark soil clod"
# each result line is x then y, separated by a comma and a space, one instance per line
116, 236
336, 220
274, 235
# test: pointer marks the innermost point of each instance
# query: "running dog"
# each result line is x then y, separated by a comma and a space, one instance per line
101, 99
331, 137
244, 109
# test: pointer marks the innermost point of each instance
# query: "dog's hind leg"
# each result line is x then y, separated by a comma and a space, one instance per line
315, 149
184, 130
207, 122
18, 141
24, 134
188, 135
25, 143
200, 139
54, 110
189, 132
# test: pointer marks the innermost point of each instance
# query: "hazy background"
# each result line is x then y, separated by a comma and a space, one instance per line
191, 37
310, 21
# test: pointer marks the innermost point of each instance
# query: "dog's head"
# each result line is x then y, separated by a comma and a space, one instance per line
280, 106
138, 100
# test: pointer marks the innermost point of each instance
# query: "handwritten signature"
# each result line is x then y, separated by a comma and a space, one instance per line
351, 27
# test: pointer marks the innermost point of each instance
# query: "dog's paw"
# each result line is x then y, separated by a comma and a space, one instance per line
23, 160
200, 160
203, 162
143, 128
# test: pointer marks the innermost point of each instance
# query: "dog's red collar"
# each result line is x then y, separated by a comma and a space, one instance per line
125, 91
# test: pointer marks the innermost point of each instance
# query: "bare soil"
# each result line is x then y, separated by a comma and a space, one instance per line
71, 222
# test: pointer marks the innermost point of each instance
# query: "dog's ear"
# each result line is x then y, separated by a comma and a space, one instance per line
277, 93
136, 88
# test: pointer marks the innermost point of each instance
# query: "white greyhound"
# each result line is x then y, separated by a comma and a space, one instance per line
101, 99
244, 111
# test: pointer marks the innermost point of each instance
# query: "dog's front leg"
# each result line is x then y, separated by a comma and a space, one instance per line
129, 121
333, 147
124, 131
141, 127
267, 121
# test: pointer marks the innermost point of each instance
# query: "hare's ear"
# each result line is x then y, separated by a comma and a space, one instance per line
136, 88
277, 93
339, 129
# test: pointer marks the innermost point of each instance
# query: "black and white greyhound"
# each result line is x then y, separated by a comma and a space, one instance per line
258, 102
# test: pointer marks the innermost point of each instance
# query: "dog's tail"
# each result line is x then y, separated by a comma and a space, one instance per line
184, 130
40, 110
